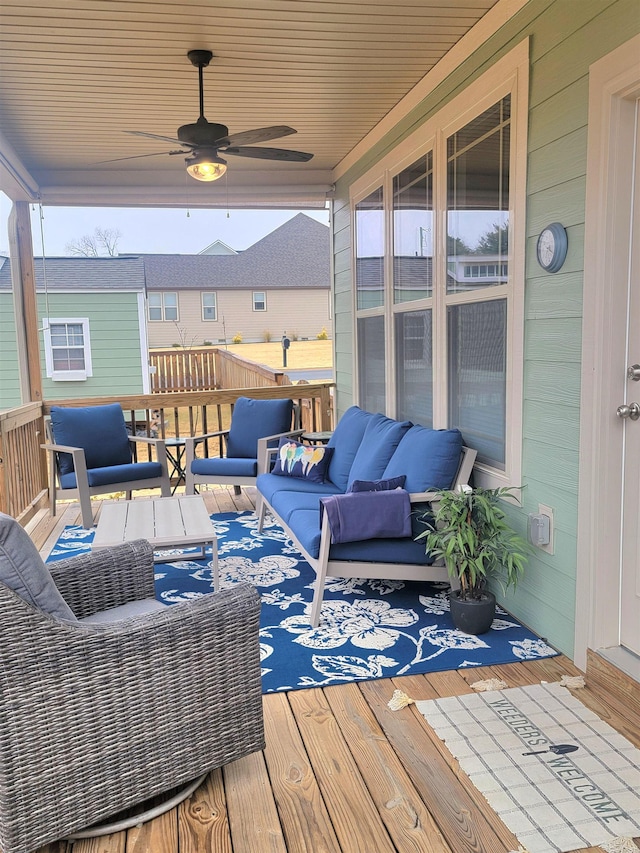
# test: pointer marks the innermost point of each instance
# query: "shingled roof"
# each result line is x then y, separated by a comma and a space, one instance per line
123, 272
295, 255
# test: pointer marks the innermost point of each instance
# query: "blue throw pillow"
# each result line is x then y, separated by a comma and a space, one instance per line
304, 461
377, 485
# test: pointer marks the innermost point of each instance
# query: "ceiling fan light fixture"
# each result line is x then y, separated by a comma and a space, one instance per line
206, 167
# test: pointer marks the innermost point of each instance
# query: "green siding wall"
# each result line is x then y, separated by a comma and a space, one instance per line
566, 36
115, 346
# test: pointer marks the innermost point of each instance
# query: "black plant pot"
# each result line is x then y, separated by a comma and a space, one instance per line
473, 615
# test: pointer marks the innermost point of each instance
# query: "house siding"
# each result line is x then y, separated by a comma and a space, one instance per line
9, 368
565, 38
304, 313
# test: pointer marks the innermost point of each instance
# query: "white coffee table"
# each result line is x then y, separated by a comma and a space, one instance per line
164, 522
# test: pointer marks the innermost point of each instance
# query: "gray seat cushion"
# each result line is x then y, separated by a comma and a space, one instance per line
124, 611
22, 569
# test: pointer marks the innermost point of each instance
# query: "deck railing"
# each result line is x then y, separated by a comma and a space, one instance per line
23, 468
207, 369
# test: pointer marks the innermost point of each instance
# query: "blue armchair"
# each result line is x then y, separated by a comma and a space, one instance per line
91, 454
253, 423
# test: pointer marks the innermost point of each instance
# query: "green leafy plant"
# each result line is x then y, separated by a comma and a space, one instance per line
468, 530
237, 338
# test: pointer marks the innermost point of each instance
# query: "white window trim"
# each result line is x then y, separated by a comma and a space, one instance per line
215, 306
253, 300
509, 75
162, 294
67, 375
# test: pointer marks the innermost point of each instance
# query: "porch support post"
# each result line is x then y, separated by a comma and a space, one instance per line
24, 299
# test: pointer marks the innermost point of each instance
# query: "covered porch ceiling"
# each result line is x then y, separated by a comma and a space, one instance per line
75, 76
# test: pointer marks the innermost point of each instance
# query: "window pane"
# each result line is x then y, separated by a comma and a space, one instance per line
68, 359
413, 231
371, 366
259, 301
154, 301
478, 200
208, 306
170, 306
370, 251
414, 374
477, 376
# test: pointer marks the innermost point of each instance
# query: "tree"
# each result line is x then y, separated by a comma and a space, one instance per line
456, 246
104, 241
493, 242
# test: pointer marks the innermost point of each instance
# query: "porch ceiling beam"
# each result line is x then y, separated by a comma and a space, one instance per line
15, 179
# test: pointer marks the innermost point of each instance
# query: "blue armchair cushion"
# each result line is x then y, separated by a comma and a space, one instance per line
215, 467
22, 569
99, 430
380, 439
254, 419
377, 485
115, 474
304, 461
345, 442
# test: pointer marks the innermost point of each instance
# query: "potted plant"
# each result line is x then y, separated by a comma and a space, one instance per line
468, 531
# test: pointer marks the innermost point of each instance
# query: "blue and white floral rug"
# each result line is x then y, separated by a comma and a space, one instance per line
368, 629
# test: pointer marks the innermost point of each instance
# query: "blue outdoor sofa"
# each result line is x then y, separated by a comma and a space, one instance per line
368, 451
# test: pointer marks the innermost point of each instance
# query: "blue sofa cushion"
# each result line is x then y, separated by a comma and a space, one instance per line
270, 484
429, 458
345, 442
225, 467
304, 523
254, 419
286, 503
99, 430
302, 461
115, 474
381, 437
377, 485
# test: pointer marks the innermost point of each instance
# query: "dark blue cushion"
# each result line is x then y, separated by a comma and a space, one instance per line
345, 442
115, 474
302, 461
270, 484
377, 485
254, 419
99, 430
216, 467
380, 439
429, 457
304, 523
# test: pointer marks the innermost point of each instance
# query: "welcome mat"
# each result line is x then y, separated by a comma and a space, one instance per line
558, 776
368, 629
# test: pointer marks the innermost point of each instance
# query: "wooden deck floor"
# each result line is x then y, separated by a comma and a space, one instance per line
341, 772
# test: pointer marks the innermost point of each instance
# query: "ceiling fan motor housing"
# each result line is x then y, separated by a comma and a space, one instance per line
202, 133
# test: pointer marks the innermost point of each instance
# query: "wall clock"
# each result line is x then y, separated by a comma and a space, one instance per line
552, 247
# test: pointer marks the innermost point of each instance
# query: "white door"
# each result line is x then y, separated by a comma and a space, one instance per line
630, 570
608, 567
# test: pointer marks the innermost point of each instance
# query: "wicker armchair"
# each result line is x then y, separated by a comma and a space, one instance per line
95, 718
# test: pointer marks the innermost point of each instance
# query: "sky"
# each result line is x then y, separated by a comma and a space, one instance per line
149, 231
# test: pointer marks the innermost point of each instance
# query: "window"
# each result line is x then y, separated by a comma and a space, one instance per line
259, 300
209, 306
67, 349
439, 312
163, 306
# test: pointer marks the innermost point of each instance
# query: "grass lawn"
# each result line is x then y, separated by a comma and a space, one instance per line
300, 355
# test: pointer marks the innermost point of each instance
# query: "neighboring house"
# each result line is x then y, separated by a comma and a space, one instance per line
530, 353
218, 248
280, 284
92, 329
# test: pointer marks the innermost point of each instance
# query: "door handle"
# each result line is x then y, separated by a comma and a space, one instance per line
631, 411
633, 373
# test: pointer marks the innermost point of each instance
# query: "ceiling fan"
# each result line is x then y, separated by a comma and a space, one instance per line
203, 140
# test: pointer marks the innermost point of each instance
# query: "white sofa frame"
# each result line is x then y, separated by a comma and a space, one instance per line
324, 567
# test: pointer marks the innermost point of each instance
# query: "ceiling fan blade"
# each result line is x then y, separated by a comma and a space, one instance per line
157, 136
138, 156
260, 134
270, 154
